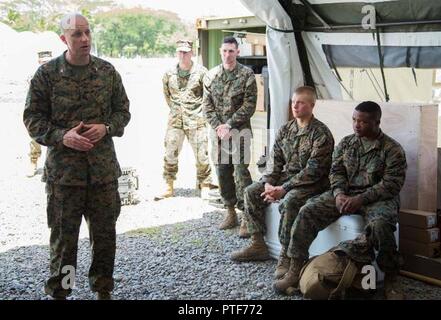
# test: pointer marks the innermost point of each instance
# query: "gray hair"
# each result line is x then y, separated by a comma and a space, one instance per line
68, 21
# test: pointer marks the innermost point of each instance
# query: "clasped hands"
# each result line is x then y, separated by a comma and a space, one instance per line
272, 193
223, 131
347, 205
83, 137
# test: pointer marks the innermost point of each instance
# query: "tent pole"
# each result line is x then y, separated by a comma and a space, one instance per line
380, 56
303, 55
319, 18
382, 24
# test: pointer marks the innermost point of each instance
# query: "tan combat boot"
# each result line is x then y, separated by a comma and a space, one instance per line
282, 265
104, 295
168, 191
230, 220
256, 251
32, 170
243, 230
290, 279
392, 290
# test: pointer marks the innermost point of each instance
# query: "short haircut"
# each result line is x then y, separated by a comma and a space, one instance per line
67, 22
370, 107
231, 39
307, 90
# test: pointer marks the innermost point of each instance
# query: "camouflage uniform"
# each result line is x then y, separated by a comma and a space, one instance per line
300, 162
375, 171
183, 92
79, 183
230, 98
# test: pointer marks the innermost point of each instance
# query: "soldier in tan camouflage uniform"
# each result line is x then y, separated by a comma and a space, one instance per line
35, 148
297, 170
368, 171
230, 94
183, 91
75, 105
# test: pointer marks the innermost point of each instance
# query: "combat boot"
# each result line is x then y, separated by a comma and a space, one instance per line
290, 279
103, 295
32, 170
282, 265
392, 290
256, 251
230, 220
243, 230
168, 191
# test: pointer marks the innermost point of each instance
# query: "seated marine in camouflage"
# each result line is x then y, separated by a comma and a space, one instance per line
368, 171
297, 170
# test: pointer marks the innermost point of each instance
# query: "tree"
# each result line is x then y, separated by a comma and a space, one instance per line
44, 15
138, 32
117, 32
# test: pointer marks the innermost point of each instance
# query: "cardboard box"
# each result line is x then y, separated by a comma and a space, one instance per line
260, 105
418, 218
256, 38
419, 235
431, 250
246, 49
259, 50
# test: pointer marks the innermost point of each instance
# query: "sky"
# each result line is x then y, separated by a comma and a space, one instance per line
189, 10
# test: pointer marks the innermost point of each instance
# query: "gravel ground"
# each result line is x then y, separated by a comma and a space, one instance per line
187, 260
169, 249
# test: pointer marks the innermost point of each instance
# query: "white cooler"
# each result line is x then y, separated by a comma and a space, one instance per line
345, 228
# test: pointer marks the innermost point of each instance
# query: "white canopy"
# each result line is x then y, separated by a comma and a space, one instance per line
420, 39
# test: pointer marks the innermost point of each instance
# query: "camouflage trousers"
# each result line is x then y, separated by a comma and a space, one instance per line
319, 212
231, 161
289, 207
100, 205
174, 139
35, 152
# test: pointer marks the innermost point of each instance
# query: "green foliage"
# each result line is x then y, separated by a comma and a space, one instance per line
137, 32
44, 15
116, 32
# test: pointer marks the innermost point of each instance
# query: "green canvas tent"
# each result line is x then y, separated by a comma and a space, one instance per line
308, 41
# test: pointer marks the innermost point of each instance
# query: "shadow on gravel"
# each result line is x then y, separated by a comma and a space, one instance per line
186, 260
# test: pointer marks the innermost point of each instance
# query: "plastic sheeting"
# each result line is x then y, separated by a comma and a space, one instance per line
285, 72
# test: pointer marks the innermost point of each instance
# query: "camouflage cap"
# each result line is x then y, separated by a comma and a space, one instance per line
184, 45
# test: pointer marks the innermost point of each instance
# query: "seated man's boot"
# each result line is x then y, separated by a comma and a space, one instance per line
282, 264
392, 289
290, 279
104, 295
32, 170
167, 193
243, 230
256, 251
230, 220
